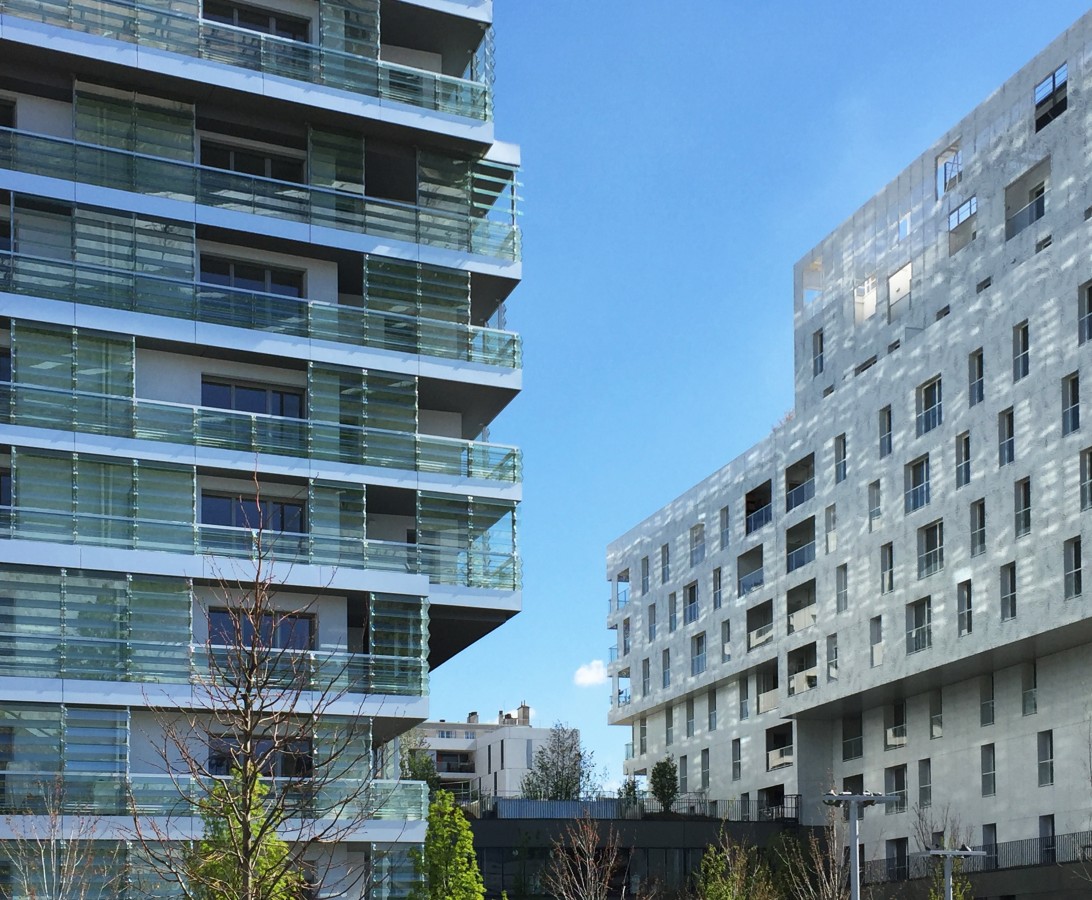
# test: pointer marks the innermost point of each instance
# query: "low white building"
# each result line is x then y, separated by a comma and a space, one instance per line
886, 592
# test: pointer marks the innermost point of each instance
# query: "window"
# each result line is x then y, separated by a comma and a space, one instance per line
690, 603
644, 575
839, 458
250, 398
1072, 552
894, 778
1071, 403
725, 641
237, 511
963, 459
930, 409
885, 432
669, 725
817, 353
962, 225
841, 588
832, 657
690, 718
949, 169
904, 226
978, 527
874, 503
711, 709
718, 593
251, 276
852, 737
919, 629
248, 161
280, 758
744, 701
1047, 846
925, 783
1084, 313
989, 771
281, 631
665, 564
625, 637
930, 549
253, 19
936, 715
725, 522
705, 769
917, 483
831, 524
1086, 478
1025, 199
1022, 507
643, 736
1051, 97
1021, 344
697, 544
697, 654
976, 383
875, 637
7, 114
672, 612
989, 844
964, 608
665, 667
646, 677
651, 622
1008, 591
737, 760
1029, 683
887, 568
1006, 437
1046, 758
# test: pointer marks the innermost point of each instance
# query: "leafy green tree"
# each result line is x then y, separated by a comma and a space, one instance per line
563, 769
731, 871
447, 869
664, 782
219, 871
415, 763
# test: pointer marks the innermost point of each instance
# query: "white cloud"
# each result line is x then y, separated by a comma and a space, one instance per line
590, 674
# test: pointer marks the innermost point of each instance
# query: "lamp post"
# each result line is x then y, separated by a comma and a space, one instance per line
854, 802
948, 855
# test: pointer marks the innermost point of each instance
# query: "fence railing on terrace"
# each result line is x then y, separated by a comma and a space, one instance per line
610, 807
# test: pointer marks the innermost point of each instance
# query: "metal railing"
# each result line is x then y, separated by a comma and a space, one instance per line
799, 557
1025, 216
895, 736
929, 418
759, 636
612, 807
930, 561
917, 497
920, 638
697, 664
751, 581
802, 618
799, 494
759, 518
800, 682
183, 33
76, 282
76, 161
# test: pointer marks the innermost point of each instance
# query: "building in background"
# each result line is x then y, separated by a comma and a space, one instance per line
476, 759
253, 263
886, 593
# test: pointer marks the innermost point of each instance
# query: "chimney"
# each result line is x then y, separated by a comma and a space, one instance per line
472, 718
523, 714
500, 716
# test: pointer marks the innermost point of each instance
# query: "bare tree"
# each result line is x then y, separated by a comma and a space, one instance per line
815, 867
582, 866
55, 853
271, 751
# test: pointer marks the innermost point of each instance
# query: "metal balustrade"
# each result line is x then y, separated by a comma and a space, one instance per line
73, 282
802, 618
178, 423
920, 638
801, 556
759, 518
183, 33
124, 170
799, 494
751, 581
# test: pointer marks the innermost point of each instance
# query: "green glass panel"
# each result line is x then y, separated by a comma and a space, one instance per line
351, 28
42, 481
336, 160
159, 628
95, 740
127, 121
336, 396
30, 735
399, 626
43, 228
30, 623
166, 502
42, 356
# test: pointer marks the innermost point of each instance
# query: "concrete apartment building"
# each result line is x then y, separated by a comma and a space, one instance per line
253, 262
886, 593
476, 759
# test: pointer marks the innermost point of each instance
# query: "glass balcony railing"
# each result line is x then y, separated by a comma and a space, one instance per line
802, 618
799, 494
253, 433
115, 794
751, 581
759, 518
41, 654
444, 565
759, 636
917, 497
778, 758
317, 206
73, 282
803, 681
179, 32
801, 556
1025, 216
918, 639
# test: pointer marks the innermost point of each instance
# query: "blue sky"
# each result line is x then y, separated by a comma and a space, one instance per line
678, 158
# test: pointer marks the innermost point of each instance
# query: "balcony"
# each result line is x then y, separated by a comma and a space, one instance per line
181, 32
759, 518
622, 697
802, 618
315, 206
253, 433
629, 750
803, 681
918, 639
751, 581
768, 700
799, 495
894, 737
1025, 216
72, 282
612, 653
761, 635
799, 557
778, 758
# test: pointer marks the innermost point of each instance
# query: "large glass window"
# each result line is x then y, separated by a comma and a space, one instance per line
265, 21
233, 511
273, 401
251, 276
249, 161
285, 631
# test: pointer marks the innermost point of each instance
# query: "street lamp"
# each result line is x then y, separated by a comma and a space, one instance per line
854, 802
948, 855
